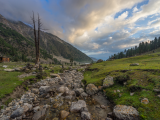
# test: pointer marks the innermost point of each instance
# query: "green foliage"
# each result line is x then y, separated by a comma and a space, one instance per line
138, 50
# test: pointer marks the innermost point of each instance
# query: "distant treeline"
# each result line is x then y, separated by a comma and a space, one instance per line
138, 50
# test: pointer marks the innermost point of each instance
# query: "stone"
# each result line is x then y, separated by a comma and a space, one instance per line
39, 114
35, 90
91, 89
108, 118
62, 89
103, 107
30, 107
158, 96
156, 90
134, 64
78, 91
54, 75
84, 94
85, 115
145, 101
43, 89
17, 69
37, 108
108, 81
9, 70
5, 66
118, 91
33, 69
123, 112
76, 106
131, 94
100, 88
64, 114
17, 113
84, 109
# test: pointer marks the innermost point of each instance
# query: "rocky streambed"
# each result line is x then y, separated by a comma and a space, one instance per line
65, 97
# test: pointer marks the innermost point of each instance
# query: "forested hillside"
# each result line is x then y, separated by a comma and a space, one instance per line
20, 36
138, 50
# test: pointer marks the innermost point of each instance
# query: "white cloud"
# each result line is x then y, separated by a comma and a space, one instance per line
135, 9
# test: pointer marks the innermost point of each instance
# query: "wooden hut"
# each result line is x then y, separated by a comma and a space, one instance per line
4, 59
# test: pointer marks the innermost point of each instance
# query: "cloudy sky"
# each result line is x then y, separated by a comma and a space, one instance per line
99, 28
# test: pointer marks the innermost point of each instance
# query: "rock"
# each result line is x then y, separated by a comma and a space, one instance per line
39, 114
33, 68
37, 108
5, 66
62, 89
100, 88
9, 70
76, 106
78, 91
54, 75
17, 113
29, 107
108, 118
108, 81
17, 69
84, 109
158, 96
64, 114
35, 90
118, 91
134, 64
145, 101
43, 89
156, 90
84, 94
131, 94
91, 89
103, 106
33, 72
123, 112
85, 115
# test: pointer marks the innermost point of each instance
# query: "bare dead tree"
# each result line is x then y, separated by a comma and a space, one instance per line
35, 37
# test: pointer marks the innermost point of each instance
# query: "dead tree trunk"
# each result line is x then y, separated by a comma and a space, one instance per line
37, 39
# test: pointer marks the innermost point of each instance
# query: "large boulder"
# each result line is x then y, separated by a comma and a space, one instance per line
76, 106
123, 112
108, 81
91, 89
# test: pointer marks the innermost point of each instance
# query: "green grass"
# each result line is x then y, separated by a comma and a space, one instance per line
140, 79
8, 82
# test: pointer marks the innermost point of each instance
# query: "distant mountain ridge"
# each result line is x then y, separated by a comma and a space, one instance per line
94, 59
51, 44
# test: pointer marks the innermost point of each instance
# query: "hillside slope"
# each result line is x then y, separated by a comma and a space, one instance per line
51, 43
131, 83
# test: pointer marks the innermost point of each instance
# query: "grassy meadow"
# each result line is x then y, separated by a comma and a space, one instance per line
140, 80
9, 80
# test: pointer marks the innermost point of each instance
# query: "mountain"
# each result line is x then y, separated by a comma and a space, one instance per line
94, 59
20, 37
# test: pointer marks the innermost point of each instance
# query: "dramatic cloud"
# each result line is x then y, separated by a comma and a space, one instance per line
97, 27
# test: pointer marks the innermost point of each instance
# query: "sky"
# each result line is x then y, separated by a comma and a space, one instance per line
99, 28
